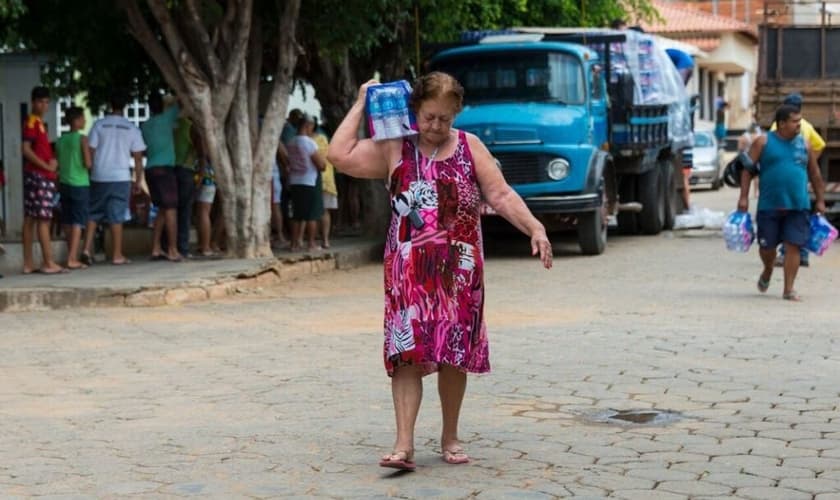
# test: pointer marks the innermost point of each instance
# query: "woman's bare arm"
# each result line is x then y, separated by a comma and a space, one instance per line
504, 200
351, 155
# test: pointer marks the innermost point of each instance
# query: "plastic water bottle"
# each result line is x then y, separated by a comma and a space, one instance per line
153, 212
374, 114
391, 111
389, 115
738, 231
822, 235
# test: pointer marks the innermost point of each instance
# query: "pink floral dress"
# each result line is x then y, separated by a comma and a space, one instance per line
434, 275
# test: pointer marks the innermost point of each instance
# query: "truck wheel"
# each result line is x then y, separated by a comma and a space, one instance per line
627, 221
652, 197
671, 194
592, 232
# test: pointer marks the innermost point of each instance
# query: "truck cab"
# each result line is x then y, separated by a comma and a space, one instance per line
561, 128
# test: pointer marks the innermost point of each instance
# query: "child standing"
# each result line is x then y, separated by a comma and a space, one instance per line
74, 161
39, 176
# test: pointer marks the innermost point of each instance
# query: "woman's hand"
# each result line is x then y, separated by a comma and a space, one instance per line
540, 245
363, 91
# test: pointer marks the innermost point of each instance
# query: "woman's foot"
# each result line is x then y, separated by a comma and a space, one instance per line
399, 459
792, 296
454, 454
53, 269
75, 265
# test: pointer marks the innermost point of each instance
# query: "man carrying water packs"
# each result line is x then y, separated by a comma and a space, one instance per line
787, 164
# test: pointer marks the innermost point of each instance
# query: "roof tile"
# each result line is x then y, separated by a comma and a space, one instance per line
683, 19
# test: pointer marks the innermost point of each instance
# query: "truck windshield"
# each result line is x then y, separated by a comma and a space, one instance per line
517, 76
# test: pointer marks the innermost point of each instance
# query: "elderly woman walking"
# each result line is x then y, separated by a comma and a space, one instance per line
434, 286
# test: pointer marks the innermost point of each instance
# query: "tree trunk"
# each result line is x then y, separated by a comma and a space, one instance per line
219, 89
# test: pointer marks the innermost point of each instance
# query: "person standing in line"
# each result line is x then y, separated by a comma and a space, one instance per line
279, 170
74, 162
39, 189
787, 164
330, 191
204, 202
305, 166
160, 175
185, 173
434, 283
113, 141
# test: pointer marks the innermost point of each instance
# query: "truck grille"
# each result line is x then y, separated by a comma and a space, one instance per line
522, 168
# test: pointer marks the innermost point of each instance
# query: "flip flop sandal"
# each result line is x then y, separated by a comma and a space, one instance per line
792, 296
762, 284
455, 456
62, 270
400, 463
86, 259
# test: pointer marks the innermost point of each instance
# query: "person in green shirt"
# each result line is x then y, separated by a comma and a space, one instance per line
185, 175
74, 162
158, 134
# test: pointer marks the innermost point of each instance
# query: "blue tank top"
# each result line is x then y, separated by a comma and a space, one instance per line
784, 174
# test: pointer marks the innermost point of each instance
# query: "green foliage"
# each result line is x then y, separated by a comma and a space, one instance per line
92, 51
11, 9
89, 47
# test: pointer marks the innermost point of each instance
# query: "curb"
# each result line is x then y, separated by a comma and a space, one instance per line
263, 275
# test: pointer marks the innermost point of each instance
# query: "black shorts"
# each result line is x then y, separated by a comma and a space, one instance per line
782, 226
163, 186
307, 203
75, 205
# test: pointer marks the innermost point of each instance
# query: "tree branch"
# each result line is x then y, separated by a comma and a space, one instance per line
195, 25
226, 87
287, 54
174, 40
254, 71
140, 30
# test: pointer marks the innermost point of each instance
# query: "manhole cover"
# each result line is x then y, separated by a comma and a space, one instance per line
642, 417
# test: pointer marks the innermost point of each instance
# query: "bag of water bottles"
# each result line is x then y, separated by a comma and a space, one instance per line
388, 111
822, 235
738, 231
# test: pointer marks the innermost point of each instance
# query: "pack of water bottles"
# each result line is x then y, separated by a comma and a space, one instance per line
738, 231
823, 235
389, 114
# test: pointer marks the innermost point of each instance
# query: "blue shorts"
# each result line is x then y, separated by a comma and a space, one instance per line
783, 226
109, 201
75, 204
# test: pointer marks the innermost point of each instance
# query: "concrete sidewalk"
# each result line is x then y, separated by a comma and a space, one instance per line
147, 283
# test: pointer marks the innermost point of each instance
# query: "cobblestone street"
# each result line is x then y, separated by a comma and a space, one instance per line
282, 393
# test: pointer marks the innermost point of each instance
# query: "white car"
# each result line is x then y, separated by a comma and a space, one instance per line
707, 162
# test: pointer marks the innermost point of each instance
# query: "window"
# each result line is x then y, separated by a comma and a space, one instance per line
518, 76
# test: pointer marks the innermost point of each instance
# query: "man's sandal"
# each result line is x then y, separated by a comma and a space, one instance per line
400, 460
763, 284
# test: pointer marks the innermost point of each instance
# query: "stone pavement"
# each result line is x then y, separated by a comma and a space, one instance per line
146, 283
282, 394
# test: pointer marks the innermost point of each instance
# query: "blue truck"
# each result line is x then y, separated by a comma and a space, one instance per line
581, 125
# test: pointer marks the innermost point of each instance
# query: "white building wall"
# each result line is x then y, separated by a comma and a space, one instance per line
18, 74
